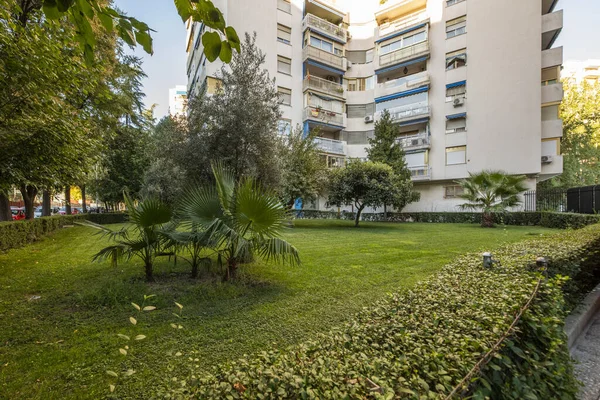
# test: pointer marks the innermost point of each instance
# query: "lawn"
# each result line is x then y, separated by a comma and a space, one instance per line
60, 345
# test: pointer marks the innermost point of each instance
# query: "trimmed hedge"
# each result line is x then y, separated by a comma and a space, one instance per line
15, 234
548, 219
421, 343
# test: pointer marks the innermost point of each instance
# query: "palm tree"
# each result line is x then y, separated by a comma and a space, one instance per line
194, 241
490, 192
242, 218
149, 218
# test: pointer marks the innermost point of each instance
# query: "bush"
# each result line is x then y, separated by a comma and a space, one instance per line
421, 343
15, 234
567, 220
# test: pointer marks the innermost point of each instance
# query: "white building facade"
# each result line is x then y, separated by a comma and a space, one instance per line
582, 71
472, 84
177, 100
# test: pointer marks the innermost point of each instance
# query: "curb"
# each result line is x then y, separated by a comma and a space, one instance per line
578, 320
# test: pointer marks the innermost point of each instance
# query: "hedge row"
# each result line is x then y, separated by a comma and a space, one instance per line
548, 219
420, 343
19, 233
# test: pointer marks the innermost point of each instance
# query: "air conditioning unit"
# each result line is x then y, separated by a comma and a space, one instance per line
546, 159
369, 118
459, 101
331, 78
415, 142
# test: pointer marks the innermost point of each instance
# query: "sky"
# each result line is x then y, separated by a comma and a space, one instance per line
580, 38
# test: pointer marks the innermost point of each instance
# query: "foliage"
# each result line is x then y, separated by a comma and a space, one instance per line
368, 184
567, 220
18, 233
384, 148
491, 191
303, 169
86, 303
580, 144
421, 343
242, 219
149, 218
237, 125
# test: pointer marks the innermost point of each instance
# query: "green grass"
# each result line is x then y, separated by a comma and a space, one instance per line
60, 345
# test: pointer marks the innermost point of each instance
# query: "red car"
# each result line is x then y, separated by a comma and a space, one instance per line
18, 214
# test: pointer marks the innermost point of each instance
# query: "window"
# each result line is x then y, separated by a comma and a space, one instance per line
284, 5
370, 55
451, 192
405, 41
456, 27
321, 44
358, 137
550, 112
453, 2
356, 110
416, 159
456, 125
284, 127
457, 92
284, 65
285, 96
456, 155
284, 34
456, 59
550, 75
361, 84
360, 56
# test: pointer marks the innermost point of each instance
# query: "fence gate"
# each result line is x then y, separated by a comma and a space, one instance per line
584, 200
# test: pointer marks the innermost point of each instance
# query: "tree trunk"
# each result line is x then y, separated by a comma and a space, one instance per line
231, 272
5, 214
385, 212
357, 219
487, 219
83, 205
194, 270
46, 204
148, 270
28, 192
68, 200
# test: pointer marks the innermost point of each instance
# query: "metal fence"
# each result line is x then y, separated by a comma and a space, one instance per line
582, 200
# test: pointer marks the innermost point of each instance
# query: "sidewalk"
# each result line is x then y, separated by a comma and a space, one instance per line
586, 350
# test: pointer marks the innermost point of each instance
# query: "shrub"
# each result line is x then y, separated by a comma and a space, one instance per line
567, 220
421, 343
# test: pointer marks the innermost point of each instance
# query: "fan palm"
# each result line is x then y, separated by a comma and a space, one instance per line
149, 218
194, 241
241, 218
491, 191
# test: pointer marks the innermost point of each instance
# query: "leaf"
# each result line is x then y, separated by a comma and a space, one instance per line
225, 54
86, 8
145, 40
112, 388
149, 308
112, 373
178, 305
64, 5
212, 45
136, 306
140, 337
123, 351
129, 372
106, 21
184, 9
173, 326
50, 9
233, 38
133, 320
123, 336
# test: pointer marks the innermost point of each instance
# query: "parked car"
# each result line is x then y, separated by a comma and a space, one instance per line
74, 210
18, 213
37, 212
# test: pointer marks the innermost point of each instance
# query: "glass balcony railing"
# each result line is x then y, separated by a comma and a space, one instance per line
391, 27
323, 56
313, 22
404, 83
323, 85
420, 172
404, 54
406, 112
322, 115
413, 142
330, 145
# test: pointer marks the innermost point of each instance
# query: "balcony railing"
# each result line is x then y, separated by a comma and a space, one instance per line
323, 85
402, 84
413, 142
324, 116
313, 22
420, 172
405, 112
391, 27
330, 145
404, 54
285, 6
323, 56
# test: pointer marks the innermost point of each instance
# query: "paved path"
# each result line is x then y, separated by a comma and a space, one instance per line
586, 350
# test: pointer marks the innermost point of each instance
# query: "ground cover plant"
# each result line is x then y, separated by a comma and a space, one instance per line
60, 344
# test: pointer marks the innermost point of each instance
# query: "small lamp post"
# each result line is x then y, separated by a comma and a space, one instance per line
488, 260
541, 262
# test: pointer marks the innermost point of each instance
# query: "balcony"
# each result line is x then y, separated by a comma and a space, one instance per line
323, 85
552, 57
317, 114
415, 142
323, 56
331, 146
420, 172
552, 128
324, 27
390, 28
402, 84
552, 93
552, 166
284, 6
404, 54
394, 9
552, 24
405, 113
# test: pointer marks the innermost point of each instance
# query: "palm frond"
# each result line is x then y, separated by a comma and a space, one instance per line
104, 231
199, 206
112, 253
225, 184
149, 213
256, 211
278, 250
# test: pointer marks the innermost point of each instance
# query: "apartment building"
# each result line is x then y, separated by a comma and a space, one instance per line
472, 84
580, 71
177, 100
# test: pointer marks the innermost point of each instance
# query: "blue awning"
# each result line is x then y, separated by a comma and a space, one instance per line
311, 122
401, 94
414, 121
456, 84
325, 67
393, 35
335, 39
320, 96
455, 116
404, 64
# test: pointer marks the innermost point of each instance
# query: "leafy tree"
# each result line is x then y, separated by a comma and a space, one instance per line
580, 145
384, 148
241, 217
303, 169
238, 124
490, 192
163, 179
368, 184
